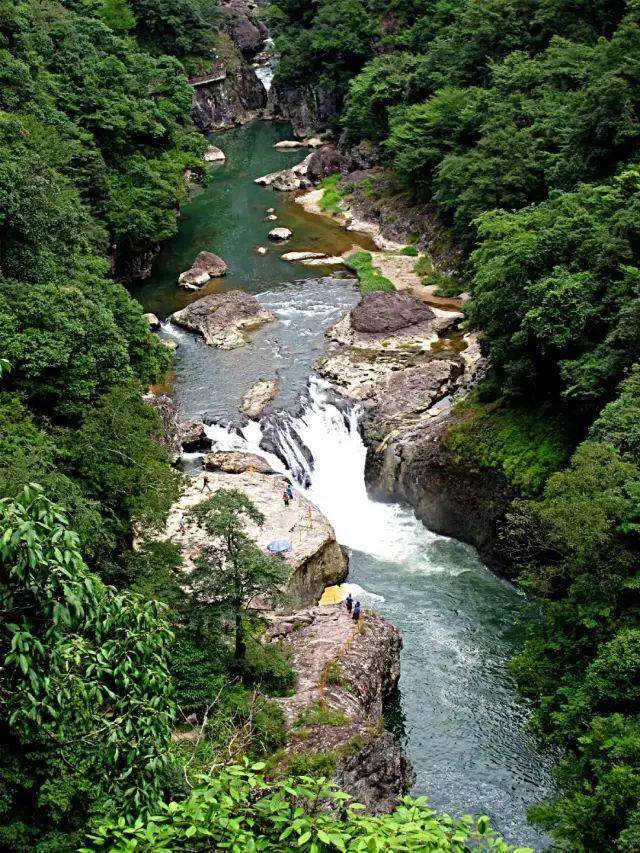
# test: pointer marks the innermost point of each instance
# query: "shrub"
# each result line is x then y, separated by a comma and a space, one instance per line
321, 715
268, 667
370, 277
332, 196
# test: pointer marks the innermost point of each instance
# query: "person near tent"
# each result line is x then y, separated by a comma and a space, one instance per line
356, 612
349, 603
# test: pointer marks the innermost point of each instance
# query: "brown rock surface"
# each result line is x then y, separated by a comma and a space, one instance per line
350, 669
315, 561
388, 311
223, 319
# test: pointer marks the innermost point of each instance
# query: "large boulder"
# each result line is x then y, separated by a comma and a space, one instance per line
206, 266
213, 154
257, 398
324, 162
384, 311
236, 462
223, 319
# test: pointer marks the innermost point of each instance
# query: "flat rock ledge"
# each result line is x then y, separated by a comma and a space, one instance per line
224, 319
205, 267
345, 671
315, 560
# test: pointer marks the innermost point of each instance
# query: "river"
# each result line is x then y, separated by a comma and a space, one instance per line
457, 708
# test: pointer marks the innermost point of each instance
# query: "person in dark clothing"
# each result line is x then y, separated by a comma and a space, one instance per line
289, 491
349, 603
205, 484
356, 612
285, 497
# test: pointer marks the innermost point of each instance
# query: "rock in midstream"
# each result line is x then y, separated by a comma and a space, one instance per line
224, 319
258, 397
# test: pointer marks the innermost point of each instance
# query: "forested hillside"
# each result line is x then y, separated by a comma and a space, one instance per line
520, 120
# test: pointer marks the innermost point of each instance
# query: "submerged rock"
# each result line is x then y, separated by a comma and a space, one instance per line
223, 319
315, 561
206, 266
346, 671
257, 398
280, 235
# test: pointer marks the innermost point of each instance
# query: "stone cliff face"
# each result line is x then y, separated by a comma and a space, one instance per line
230, 92
450, 496
309, 108
234, 99
393, 359
345, 673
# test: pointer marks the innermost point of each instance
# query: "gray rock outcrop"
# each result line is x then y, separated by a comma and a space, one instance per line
206, 266
224, 319
347, 670
177, 436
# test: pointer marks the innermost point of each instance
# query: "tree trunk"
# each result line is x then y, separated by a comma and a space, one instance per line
240, 644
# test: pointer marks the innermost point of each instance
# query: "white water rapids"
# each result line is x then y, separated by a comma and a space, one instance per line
334, 480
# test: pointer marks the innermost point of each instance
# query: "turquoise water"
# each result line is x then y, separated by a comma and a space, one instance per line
228, 217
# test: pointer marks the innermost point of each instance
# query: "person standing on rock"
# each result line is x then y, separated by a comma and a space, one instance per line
289, 491
205, 484
349, 603
356, 612
285, 497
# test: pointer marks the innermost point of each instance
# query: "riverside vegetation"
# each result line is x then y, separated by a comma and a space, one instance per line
103, 653
519, 121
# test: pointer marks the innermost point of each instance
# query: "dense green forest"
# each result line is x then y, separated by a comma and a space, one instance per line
520, 121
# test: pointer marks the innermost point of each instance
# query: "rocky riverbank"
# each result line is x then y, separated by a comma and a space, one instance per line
334, 719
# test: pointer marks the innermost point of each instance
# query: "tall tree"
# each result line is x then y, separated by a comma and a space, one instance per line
233, 571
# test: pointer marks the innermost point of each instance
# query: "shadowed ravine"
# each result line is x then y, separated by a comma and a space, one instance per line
458, 707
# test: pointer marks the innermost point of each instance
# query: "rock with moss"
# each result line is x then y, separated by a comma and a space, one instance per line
224, 319
345, 672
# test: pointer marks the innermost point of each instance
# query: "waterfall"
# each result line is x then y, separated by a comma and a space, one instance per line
322, 450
